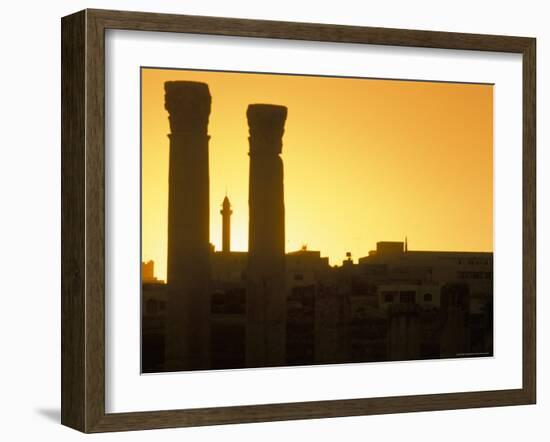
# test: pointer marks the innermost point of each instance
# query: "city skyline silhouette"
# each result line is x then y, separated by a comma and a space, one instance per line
271, 307
358, 209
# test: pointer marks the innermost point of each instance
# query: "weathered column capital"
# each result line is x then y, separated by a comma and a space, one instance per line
266, 123
188, 104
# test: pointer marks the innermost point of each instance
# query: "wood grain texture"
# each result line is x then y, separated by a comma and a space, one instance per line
95, 222
529, 220
145, 21
83, 220
73, 129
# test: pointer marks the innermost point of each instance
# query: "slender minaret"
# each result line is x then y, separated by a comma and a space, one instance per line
266, 293
226, 213
188, 273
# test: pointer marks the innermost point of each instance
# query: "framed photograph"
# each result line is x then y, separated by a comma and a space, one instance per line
268, 220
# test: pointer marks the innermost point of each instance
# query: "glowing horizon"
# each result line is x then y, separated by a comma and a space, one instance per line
365, 161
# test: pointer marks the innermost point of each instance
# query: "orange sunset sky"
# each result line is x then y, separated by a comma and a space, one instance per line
365, 160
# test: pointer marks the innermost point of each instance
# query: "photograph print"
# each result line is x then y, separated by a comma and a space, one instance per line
296, 220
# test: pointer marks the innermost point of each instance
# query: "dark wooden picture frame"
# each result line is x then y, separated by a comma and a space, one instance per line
83, 220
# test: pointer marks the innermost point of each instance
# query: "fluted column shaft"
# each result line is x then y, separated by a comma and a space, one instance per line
188, 273
266, 294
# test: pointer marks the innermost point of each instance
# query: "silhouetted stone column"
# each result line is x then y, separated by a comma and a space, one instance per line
455, 303
404, 333
266, 298
188, 340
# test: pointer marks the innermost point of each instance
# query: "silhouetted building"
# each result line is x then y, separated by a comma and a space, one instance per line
389, 248
455, 306
148, 272
229, 267
300, 325
332, 321
305, 267
404, 332
266, 298
426, 295
188, 275
396, 263
453, 289
153, 326
392, 309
